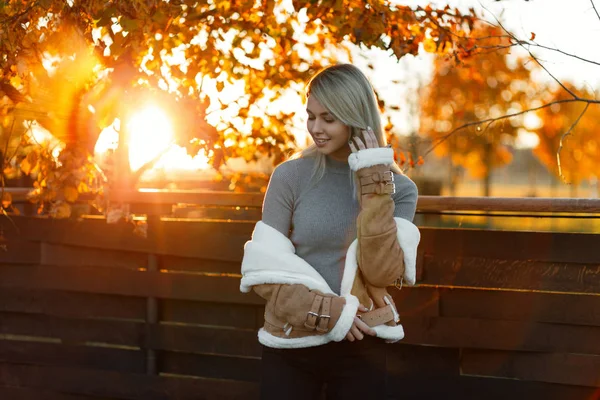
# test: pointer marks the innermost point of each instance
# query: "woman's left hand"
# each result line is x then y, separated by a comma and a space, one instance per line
370, 141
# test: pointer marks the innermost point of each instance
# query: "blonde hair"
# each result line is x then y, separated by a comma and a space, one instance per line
347, 94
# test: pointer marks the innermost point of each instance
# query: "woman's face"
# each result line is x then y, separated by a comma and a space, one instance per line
329, 134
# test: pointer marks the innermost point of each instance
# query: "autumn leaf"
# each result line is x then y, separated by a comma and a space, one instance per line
532, 38
71, 194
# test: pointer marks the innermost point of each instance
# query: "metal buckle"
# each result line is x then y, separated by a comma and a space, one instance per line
393, 185
306, 324
391, 174
319, 323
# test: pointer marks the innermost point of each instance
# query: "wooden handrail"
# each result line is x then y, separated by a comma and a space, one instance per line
508, 204
426, 204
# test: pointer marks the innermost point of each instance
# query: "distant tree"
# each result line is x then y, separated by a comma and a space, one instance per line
569, 137
482, 87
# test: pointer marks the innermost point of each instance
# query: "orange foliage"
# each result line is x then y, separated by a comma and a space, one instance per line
110, 54
581, 148
479, 88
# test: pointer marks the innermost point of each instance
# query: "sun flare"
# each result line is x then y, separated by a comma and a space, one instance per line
150, 134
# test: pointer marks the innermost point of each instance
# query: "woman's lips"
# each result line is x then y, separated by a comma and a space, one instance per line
321, 142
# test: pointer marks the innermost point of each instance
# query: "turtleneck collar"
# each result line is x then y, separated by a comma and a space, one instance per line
337, 167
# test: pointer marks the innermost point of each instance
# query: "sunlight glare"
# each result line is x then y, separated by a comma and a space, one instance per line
150, 134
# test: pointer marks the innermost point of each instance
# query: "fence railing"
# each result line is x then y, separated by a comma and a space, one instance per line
425, 204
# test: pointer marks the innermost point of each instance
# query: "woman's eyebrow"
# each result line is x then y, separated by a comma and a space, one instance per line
323, 113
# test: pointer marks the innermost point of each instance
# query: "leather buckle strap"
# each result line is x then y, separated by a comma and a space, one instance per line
324, 317
377, 177
379, 316
379, 188
313, 313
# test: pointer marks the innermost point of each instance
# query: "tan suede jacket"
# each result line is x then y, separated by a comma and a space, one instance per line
294, 311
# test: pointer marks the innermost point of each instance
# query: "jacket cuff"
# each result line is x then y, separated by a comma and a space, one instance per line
370, 157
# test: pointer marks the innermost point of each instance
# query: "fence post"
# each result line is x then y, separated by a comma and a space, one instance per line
151, 302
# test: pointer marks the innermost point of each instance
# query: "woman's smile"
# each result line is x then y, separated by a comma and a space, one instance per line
321, 142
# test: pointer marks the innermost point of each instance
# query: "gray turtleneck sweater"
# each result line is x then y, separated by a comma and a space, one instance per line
320, 219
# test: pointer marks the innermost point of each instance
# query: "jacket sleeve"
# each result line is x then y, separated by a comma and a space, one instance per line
300, 307
380, 256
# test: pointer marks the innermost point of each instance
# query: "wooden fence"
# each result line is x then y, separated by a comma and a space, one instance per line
92, 311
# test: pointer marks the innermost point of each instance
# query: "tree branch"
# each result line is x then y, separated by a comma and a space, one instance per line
595, 10
563, 137
532, 56
507, 116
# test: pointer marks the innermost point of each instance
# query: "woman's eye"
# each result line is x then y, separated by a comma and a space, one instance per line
329, 120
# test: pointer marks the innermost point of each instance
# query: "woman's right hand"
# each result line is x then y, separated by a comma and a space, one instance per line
359, 329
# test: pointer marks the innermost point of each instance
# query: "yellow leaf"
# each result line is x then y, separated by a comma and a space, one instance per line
25, 166
70, 193
429, 45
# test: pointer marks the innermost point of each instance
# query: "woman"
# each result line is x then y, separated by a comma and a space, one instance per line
336, 231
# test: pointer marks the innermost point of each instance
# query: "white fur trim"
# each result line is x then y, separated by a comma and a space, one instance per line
390, 333
270, 258
409, 238
369, 157
337, 334
349, 269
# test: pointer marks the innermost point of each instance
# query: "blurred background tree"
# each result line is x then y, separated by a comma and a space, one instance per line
485, 86
580, 153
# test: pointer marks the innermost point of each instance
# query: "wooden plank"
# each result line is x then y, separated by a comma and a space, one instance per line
71, 304
421, 361
511, 274
212, 314
14, 393
204, 197
509, 245
416, 301
210, 240
92, 357
570, 369
223, 289
518, 204
520, 306
123, 386
231, 342
56, 254
73, 330
20, 251
173, 263
216, 240
469, 387
236, 342
501, 335
209, 366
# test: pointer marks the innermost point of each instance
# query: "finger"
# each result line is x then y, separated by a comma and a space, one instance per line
349, 337
352, 147
360, 143
372, 138
368, 137
363, 327
358, 335
362, 308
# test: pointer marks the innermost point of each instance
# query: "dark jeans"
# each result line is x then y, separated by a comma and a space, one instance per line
343, 370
